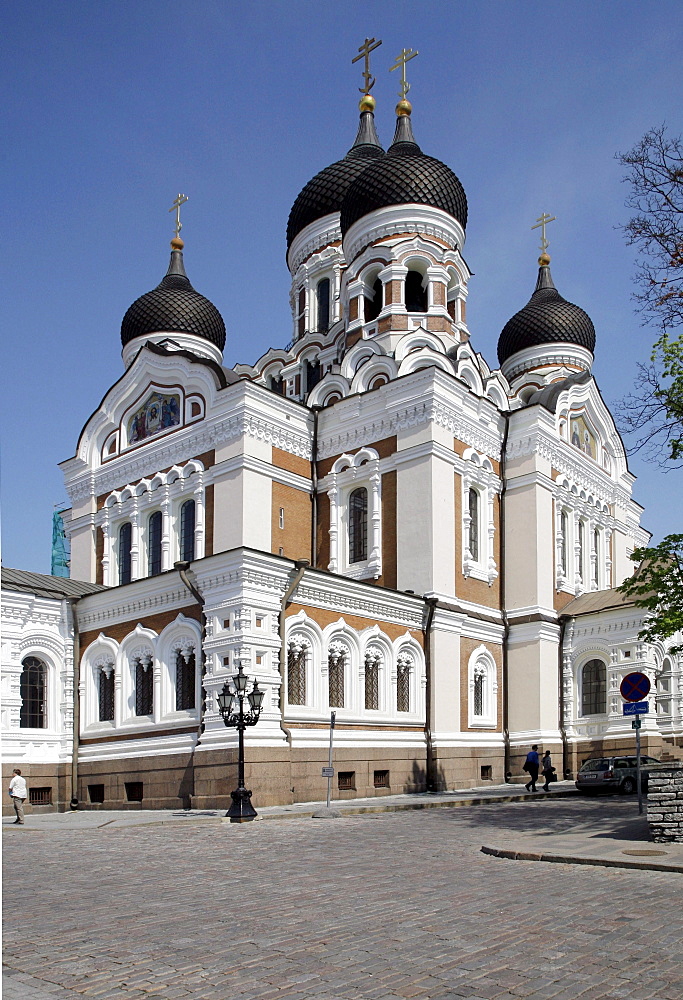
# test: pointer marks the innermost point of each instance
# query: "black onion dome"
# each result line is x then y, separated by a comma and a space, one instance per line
404, 176
174, 307
325, 192
547, 318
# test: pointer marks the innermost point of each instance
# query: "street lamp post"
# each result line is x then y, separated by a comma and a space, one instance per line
231, 707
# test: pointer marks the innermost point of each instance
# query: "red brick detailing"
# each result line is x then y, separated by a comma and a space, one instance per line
324, 618
353, 309
156, 622
384, 448
292, 463
295, 537
353, 338
322, 557
439, 293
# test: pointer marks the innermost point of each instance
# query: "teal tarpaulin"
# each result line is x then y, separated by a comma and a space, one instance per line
60, 547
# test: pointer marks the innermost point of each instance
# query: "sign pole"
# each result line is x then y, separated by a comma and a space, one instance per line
333, 716
638, 781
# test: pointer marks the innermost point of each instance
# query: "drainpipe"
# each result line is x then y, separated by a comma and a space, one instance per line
72, 602
503, 608
314, 487
563, 621
431, 603
301, 565
183, 567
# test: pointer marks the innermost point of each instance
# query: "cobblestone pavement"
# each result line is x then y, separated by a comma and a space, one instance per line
370, 907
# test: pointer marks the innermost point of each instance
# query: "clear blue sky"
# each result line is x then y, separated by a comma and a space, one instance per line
112, 108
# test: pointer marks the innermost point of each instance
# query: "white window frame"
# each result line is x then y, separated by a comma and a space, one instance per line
349, 473
482, 663
477, 473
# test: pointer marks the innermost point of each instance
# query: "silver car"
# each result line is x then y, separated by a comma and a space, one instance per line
613, 774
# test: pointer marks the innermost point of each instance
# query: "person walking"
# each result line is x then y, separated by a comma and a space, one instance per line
531, 767
17, 790
548, 770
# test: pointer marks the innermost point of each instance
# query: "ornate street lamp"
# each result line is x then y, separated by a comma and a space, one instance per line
231, 707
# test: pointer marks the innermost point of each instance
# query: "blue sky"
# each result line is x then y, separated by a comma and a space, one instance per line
112, 108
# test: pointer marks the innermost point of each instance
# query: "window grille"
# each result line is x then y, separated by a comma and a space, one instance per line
154, 539
187, 526
346, 780
594, 688
125, 542
372, 681
358, 525
416, 295
106, 694
296, 675
473, 534
336, 663
403, 687
40, 796
381, 779
144, 688
373, 302
96, 793
185, 676
134, 791
33, 714
323, 305
478, 694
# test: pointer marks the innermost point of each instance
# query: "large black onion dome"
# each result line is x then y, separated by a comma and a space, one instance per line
547, 318
174, 307
404, 176
325, 192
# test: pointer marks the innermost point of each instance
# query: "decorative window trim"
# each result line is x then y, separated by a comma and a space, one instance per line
585, 661
580, 506
349, 473
478, 475
482, 665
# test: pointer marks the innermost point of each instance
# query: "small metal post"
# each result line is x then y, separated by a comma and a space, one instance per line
333, 716
638, 778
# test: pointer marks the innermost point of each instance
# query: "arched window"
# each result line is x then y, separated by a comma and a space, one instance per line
372, 660
301, 318
483, 688
336, 663
154, 544
185, 671
144, 687
373, 302
594, 688
563, 532
416, 294
596, 560
473, 533
582, 546
187, 526
106, 694
478, 692
33, 712
296, 672
125, 542
276, 384
358, 525
323, 296
403, 669
313, 372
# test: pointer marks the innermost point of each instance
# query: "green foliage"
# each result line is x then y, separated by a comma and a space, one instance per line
658, 586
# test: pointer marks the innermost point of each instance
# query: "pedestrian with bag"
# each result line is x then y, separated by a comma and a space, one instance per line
18, 793
531, 765
548, 771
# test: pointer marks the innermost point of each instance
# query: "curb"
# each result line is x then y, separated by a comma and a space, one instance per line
567, 859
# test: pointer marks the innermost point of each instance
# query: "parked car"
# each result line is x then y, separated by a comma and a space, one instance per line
613, 774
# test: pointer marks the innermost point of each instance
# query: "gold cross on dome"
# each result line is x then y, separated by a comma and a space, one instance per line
364, 50
175, 207
541, 223
401, 60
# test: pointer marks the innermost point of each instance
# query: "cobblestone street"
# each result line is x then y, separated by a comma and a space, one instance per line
394, 905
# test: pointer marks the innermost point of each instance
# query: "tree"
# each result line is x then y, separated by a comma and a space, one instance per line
657, 585
654, 410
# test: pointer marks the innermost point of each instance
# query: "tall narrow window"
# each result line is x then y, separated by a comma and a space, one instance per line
473, 535
185, 677
478, 692
596, 560
563, 532
301, 321
313, 372
106, 694
416, 294
296, 674
594, 688
373, 302
323, 304
372, 681
187, 526
358, 525
125, 542
33, 712
336, 662
582, 544
403, 684
154, 544
144, 688
277, 384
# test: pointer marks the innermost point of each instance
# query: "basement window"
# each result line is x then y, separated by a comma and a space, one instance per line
133, 791
40, 796
381, 779
96, 793
346, 781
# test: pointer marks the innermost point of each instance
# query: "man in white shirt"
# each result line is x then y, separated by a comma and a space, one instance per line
17, 789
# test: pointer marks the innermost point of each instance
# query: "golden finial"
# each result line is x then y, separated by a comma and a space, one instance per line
364, 50
177, 243
403, 107
175, 207
541, 223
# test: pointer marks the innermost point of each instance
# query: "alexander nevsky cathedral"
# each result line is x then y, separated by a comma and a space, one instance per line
372, 519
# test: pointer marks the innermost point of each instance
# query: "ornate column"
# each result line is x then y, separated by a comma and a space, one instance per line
375, 560
333, 495
135, 541
157, 707
107, 549
491, 568
561, 569
199, 537
118, 695
593, 549
608, 558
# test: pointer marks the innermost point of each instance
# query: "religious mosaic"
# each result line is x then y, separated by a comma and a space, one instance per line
582, 437
156, 414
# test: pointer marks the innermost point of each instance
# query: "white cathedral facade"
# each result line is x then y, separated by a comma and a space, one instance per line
370, 520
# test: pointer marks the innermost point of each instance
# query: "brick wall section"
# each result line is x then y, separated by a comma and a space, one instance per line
439, 293
324, 618
665, 804
292, 463
295, 537
353, 308
322, 557
389, 541
156, 622
467, 647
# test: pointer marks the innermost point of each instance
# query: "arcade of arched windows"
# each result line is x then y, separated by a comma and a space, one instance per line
583, 541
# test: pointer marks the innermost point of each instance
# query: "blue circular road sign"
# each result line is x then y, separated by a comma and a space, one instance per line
635, 686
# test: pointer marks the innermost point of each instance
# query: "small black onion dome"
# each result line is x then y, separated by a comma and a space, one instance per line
404, 176
547, 318
174, 307
325, 192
